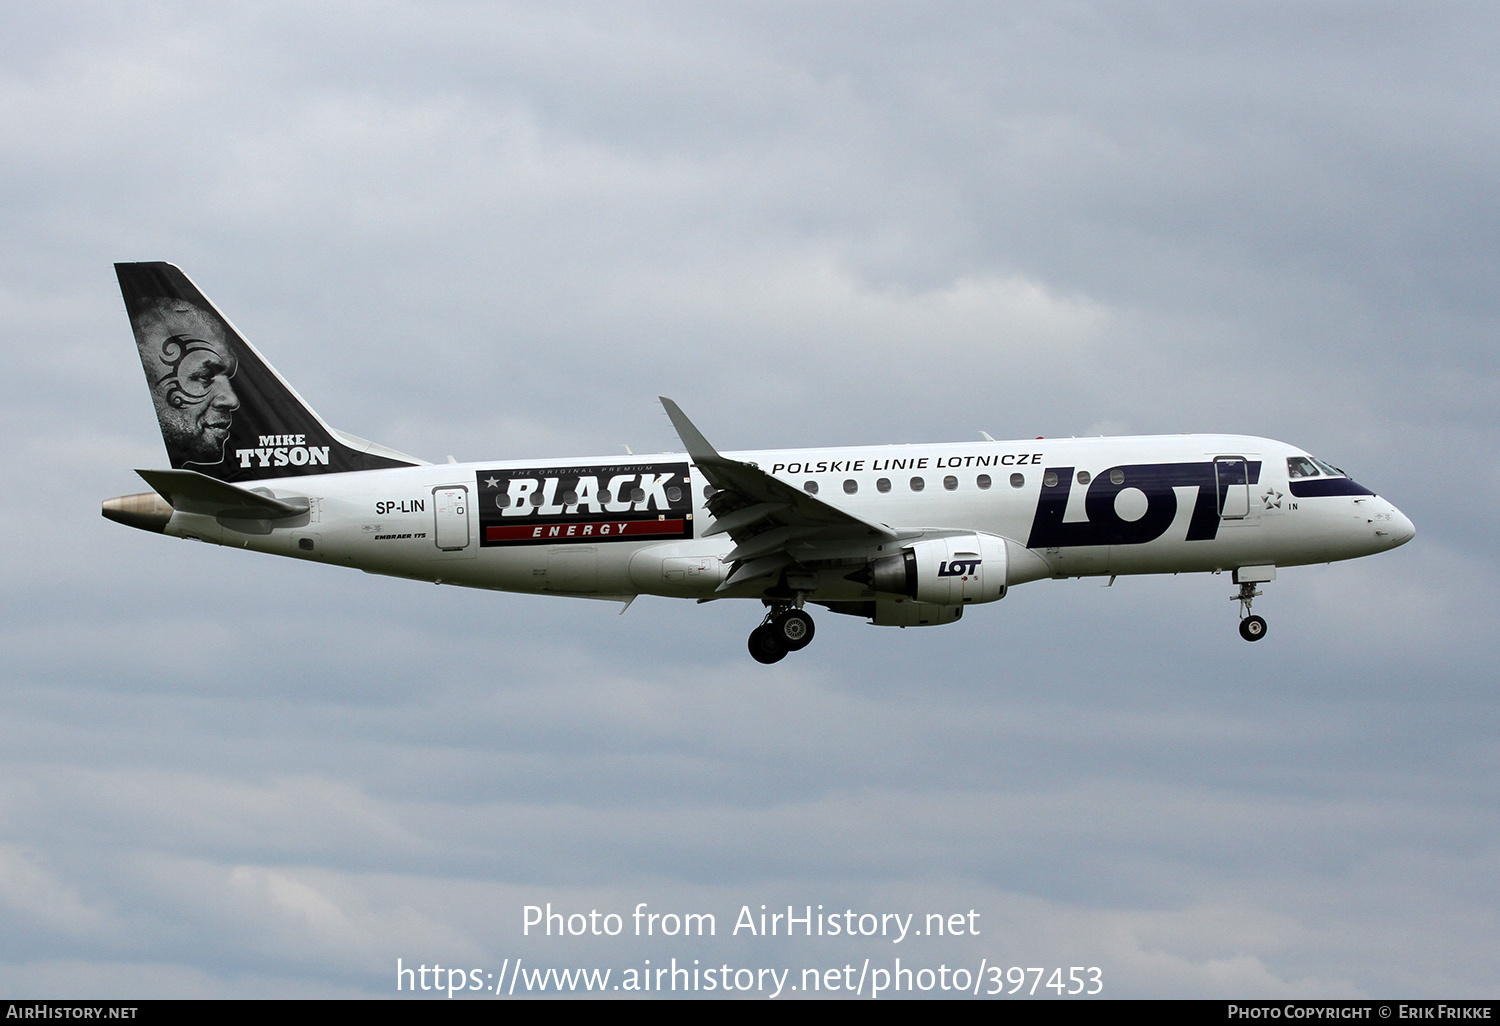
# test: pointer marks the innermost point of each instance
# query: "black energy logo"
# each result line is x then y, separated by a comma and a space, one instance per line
569, 505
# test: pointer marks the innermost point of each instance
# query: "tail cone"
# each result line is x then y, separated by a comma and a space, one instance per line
146, 510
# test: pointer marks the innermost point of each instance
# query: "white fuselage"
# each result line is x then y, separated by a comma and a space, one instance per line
1156, 504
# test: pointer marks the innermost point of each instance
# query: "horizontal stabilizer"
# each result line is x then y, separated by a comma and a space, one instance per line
192, 492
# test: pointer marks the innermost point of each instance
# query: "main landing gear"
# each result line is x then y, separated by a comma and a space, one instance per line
785, 629
1252, 628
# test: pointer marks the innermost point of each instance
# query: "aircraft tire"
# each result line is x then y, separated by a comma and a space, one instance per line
766, 644
795, 628
1253, 628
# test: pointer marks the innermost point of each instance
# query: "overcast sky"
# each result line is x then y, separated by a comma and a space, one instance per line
500, 231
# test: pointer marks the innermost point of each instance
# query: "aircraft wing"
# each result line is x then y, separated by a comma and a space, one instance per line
772, 523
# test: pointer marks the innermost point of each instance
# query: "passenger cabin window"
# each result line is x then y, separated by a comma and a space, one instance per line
810, 487
1050, 479
1300, 466
1018, 480
951, 483
982, 481
917, 484
851, 486
883, 485
1117, 477
1083, 477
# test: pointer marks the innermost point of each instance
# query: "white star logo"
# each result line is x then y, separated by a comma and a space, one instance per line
491, 482
1272, 499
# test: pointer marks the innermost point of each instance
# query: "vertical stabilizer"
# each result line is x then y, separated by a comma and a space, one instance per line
223, 410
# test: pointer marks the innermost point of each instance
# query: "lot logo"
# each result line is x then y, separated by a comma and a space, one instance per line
1112, 522
612, 502
959, 568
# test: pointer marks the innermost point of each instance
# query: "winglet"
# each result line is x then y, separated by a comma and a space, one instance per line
698, 447
757, 496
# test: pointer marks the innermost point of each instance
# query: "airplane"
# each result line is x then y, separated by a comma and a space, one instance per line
899, 535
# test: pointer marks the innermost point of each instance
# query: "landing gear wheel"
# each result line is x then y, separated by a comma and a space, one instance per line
1253, 628
795, 628
767, 644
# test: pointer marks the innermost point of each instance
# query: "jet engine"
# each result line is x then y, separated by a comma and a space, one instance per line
956, 570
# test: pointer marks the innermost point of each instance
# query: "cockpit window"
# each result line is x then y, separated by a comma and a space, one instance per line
1329, 469
1300, 466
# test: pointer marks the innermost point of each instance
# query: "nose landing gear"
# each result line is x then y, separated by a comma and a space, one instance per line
785, 629
1252, 628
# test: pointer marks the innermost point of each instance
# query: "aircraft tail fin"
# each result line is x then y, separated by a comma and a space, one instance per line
223, 410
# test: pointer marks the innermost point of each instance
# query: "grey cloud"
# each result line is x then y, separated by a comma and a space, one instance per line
502, 232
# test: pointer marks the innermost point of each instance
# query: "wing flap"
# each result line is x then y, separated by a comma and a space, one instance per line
742, 518
777, 539
765, 566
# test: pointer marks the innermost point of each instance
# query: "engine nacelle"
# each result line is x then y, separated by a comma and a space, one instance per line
953, 571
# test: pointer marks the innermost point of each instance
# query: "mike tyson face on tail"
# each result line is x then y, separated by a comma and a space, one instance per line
189, 366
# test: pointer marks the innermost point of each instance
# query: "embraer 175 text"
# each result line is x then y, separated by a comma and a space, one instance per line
903, 536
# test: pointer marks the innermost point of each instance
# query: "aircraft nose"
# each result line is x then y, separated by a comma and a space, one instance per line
1402, 530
